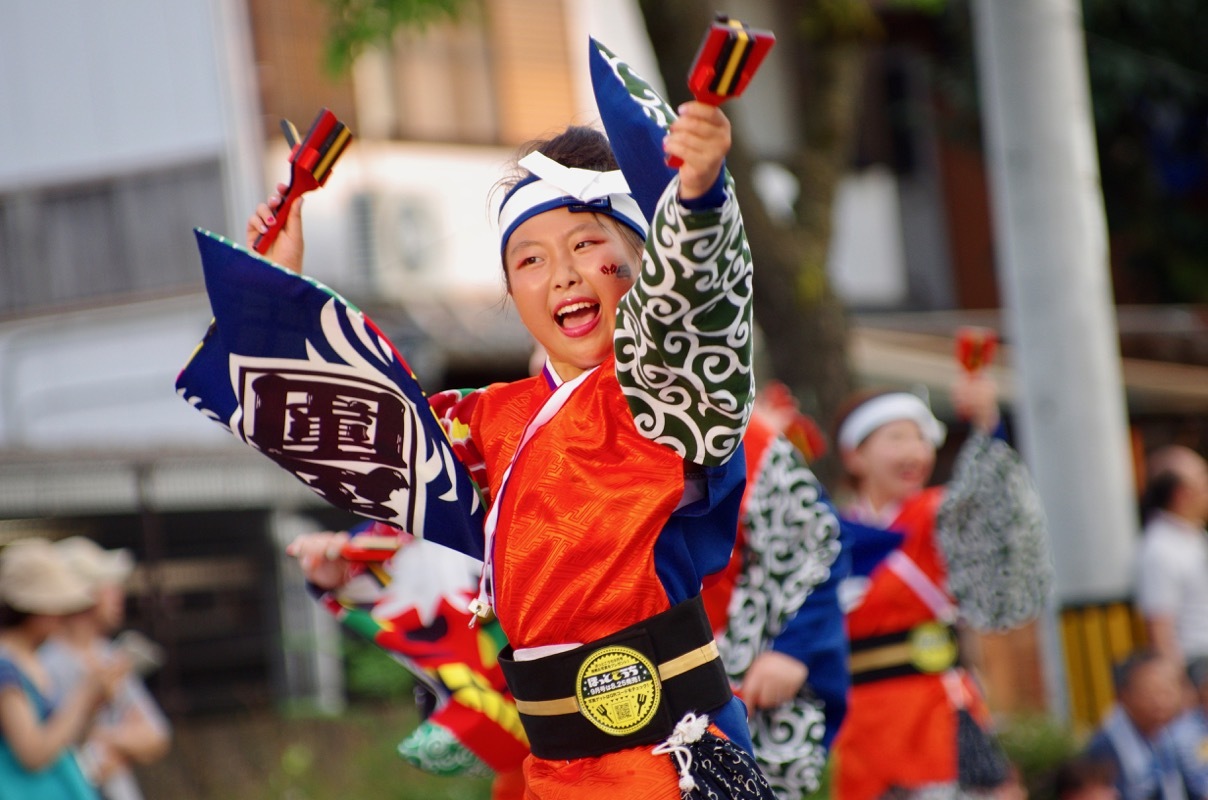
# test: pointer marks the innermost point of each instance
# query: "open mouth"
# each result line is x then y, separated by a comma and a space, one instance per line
575, 315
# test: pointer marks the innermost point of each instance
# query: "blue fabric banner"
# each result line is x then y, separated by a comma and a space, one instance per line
301, 375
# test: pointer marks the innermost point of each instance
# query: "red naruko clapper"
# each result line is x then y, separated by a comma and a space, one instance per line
728, 57
370, 548
310, 161
975, 347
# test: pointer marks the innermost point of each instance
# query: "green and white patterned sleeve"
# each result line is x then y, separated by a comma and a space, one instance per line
992, 531
683, 337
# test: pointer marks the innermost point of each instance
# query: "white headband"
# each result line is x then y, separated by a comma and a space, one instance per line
887, 408
555, 186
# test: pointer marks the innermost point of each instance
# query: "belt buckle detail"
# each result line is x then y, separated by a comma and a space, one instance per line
932, 648
618, 690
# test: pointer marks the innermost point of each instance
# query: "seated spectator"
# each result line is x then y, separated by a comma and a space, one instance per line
1135, 740
1190, 733
130, 729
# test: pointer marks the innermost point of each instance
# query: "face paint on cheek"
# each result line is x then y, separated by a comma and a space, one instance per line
621, 271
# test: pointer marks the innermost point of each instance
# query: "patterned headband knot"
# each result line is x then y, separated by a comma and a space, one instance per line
551, 185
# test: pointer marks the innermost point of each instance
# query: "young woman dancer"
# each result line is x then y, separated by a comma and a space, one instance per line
614, 477
972, 552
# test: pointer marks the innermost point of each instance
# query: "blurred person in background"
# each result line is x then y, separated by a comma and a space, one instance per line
775, 609
1135, 740
925, 559
130, 729
1172, 561
39, 727
1190, 732
1078, 778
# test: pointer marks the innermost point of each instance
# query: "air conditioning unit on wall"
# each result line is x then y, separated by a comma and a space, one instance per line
396, 241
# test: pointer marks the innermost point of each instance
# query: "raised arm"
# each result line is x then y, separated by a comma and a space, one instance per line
36, 742
288, 248
683, 338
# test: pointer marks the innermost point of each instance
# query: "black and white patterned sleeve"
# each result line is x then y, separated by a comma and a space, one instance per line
992, 531
792, 542
683, 339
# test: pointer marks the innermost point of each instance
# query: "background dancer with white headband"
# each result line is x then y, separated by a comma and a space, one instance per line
614, 477
973, 551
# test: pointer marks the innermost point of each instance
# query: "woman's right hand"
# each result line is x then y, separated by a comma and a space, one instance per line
319, 556
700, 137
287, 248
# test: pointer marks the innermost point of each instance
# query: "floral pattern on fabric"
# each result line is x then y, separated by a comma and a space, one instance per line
792, 542
437, 751
992, 530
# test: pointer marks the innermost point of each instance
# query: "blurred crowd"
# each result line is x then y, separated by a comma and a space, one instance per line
75, 716
1154, 742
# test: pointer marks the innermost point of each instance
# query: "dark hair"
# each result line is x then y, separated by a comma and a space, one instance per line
1197, 671
579, 147
1158, 493
1081, 772
11, 617
1124, 671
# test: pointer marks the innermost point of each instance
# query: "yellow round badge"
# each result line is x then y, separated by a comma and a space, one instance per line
618, 690
932, 648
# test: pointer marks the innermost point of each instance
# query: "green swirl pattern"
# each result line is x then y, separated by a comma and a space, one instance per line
683, 336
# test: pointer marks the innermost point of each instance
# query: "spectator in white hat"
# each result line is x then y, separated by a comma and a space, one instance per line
37, 732
130, 729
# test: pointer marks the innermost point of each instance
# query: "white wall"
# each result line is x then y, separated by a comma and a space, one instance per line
89, 89
866, 264
102, 378
450, 184
618, 25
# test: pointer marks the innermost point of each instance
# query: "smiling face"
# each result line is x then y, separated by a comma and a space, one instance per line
892, 464
567, 271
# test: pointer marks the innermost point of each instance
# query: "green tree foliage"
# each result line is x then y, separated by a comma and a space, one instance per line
1149, 80
1148, 72
358, 24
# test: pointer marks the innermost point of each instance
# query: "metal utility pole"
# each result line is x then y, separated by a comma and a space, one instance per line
1051, 246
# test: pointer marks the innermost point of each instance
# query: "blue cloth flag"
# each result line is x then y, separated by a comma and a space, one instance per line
301, 375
